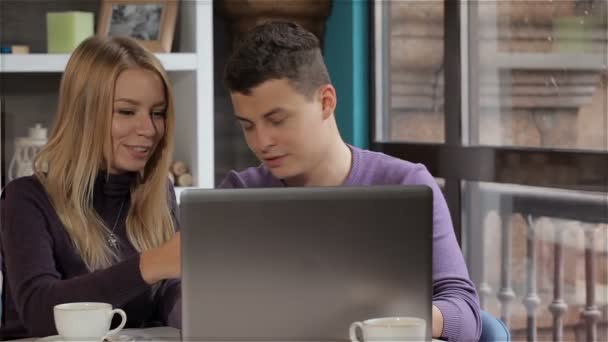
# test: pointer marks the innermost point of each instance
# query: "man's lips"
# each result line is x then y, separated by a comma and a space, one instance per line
274, 161
274, 157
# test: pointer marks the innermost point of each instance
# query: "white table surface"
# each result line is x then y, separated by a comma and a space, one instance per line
149, 334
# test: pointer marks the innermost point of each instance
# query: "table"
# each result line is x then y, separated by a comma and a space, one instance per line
149, 334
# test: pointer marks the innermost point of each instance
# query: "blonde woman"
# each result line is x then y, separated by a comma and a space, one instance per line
97, 221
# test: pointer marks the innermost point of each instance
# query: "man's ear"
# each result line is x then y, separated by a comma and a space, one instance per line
328, 99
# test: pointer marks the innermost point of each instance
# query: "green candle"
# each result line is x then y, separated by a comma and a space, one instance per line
65, 30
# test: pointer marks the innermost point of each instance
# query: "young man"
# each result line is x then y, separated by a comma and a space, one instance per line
284, 101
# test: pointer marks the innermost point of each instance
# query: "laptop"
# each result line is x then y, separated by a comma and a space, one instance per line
302, 264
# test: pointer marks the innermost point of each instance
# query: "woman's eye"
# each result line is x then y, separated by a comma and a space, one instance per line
126, 112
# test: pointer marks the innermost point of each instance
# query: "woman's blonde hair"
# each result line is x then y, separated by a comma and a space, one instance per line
80, 141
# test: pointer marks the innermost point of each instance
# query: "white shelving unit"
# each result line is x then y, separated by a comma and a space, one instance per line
191, 73
56, 62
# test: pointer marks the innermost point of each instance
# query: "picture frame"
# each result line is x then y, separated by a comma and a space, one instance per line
150, 22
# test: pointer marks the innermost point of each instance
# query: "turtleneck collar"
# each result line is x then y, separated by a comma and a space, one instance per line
116, 185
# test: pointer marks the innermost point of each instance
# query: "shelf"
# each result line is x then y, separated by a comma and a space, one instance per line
544, 61
57, 62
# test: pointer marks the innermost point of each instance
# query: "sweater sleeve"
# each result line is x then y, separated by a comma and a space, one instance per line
453, 292
29, 251
170, 303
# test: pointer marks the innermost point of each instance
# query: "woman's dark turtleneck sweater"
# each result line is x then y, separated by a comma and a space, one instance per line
41, 268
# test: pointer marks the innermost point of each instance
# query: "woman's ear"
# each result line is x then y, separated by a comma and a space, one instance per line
328, 99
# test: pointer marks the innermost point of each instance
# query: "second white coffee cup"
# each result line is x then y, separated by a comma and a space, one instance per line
86, 321
393, 329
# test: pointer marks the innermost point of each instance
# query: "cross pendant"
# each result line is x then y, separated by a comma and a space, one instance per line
112, 241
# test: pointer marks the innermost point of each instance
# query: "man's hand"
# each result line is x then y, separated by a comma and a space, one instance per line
437, 322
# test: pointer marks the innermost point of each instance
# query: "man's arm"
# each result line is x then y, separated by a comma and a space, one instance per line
455, 303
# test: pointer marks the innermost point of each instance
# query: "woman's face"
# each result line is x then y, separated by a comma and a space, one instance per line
138, 119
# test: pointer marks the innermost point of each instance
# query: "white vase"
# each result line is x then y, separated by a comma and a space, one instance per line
26, 149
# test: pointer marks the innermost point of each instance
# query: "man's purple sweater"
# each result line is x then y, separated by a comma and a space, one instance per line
41, 267
453, 291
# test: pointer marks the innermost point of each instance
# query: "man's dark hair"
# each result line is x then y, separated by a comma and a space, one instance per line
277, 50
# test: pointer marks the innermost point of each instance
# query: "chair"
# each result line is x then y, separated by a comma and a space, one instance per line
493, 329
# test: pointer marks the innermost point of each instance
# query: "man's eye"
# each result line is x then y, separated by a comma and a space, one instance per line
277, 118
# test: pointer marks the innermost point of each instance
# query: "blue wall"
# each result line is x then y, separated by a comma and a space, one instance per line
346, 53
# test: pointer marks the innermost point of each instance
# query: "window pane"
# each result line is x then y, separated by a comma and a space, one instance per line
538, 73
409, 71
516, 235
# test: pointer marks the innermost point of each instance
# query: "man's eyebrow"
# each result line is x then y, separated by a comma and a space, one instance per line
266, 115
242, 119
273, 111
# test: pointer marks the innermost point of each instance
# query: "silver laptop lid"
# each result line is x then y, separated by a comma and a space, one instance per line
301, 264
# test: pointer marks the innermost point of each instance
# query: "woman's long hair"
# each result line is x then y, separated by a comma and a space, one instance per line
80, 141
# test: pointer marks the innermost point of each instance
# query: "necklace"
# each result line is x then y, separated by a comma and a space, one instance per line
112, 240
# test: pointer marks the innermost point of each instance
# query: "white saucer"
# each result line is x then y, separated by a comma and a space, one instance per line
118, 338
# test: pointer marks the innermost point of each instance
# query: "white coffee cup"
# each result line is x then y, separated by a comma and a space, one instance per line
86, 321
393, 329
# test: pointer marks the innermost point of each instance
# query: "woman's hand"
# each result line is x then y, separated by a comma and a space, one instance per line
163, 262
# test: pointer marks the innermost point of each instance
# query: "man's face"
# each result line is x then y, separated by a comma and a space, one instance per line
285, 129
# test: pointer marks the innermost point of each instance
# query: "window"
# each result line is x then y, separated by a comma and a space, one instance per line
413, 84
537, 73
506, 101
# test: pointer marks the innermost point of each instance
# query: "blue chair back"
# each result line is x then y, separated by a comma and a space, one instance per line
493, 329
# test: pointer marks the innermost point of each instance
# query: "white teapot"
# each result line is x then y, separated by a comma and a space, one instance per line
26, 149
